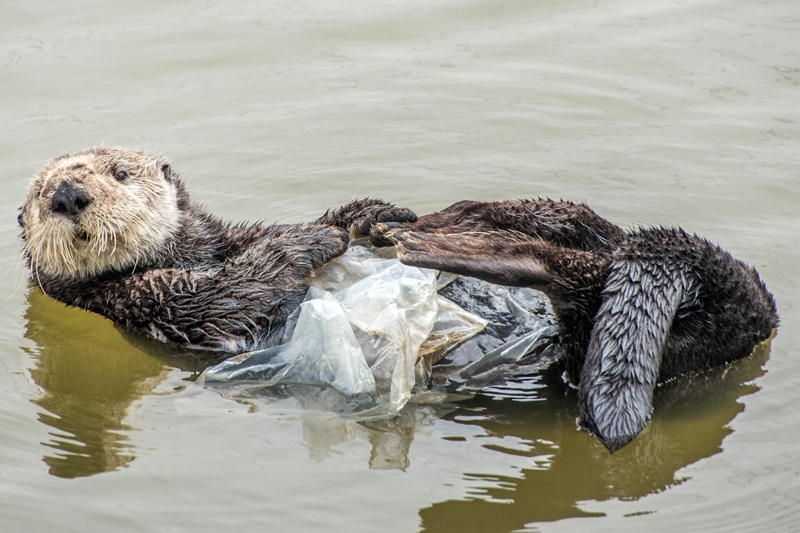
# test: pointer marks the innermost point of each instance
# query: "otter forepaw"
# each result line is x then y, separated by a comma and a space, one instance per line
387, 215
330, 243
358, 216
381, 233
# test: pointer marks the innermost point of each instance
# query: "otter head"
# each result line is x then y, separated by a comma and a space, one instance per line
99, 210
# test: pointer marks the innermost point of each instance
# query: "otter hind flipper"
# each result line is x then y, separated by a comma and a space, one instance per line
497, 257
619, 376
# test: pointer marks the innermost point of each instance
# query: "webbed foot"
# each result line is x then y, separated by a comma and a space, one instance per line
498, 257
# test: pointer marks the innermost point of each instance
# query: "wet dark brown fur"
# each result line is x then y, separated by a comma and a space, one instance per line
634, 308
193, 280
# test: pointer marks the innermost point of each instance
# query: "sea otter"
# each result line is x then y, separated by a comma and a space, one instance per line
634, 308
114, 231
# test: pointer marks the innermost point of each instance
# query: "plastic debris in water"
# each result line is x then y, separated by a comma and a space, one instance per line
371, 330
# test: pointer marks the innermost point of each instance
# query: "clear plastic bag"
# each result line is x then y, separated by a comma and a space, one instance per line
361, 331
369, 335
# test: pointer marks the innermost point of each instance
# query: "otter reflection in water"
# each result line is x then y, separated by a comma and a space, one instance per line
634, 308
567, 470
89, 377
90, 373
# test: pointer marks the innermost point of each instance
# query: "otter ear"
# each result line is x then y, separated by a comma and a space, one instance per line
21, 220
166, 171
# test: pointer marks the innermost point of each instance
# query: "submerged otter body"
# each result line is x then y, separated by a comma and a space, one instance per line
114, 231
634, 308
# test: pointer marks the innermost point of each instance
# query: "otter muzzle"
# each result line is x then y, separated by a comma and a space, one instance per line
68, 201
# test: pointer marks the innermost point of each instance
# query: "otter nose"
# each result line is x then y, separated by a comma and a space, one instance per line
68, 200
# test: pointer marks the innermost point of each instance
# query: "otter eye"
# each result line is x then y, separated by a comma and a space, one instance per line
121, 175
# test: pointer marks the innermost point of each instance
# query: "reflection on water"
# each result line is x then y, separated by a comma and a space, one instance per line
324, 427
390, 439
89, 376
565, 467
690, 421
653, 112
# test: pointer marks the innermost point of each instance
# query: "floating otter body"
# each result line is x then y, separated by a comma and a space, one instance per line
114, 231
634, 308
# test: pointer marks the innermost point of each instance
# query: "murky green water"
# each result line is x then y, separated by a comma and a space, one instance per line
652, 112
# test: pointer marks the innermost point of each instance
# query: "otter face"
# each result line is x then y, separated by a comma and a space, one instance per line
98, 210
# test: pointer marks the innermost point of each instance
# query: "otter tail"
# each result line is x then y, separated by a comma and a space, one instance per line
619, 375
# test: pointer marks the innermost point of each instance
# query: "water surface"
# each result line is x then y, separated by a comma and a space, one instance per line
679, 113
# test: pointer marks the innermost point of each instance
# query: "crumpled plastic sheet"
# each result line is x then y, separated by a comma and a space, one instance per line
369, 335
520, 337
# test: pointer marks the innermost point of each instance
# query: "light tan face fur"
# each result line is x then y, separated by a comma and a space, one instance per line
125, 222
